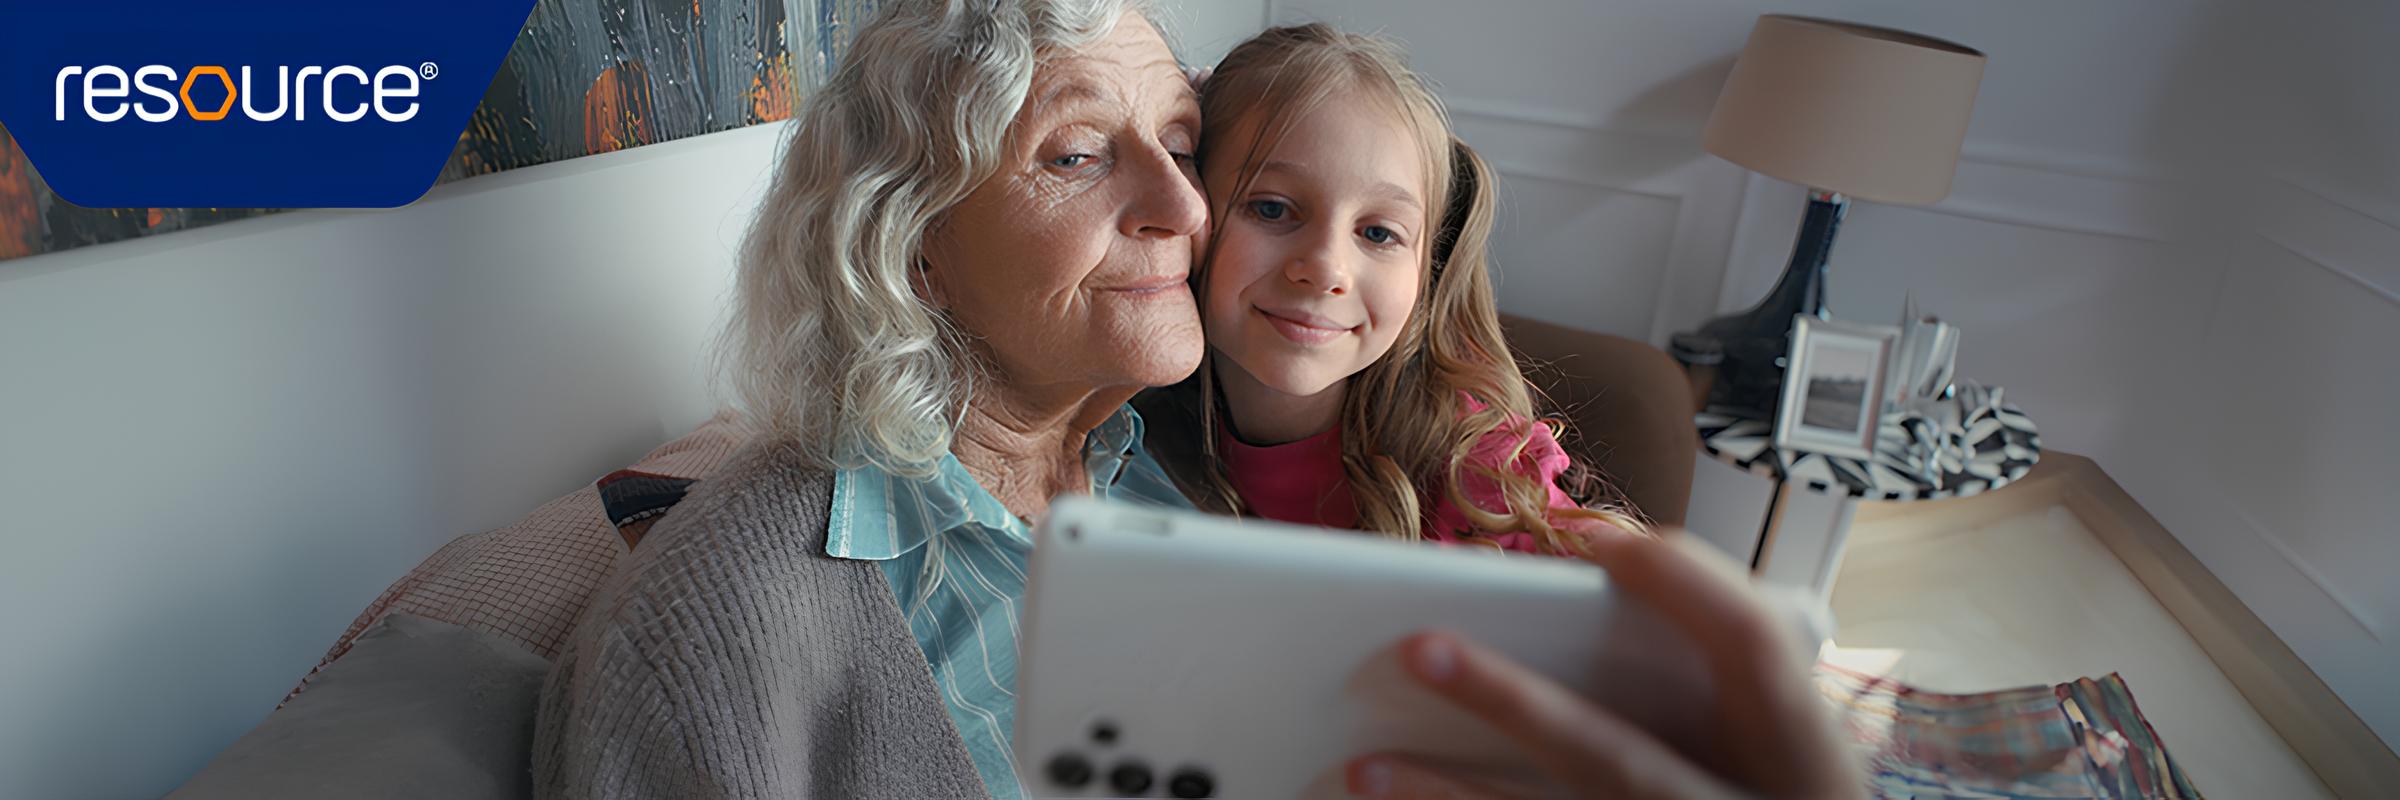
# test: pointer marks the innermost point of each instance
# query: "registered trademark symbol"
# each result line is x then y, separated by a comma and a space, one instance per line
429, 70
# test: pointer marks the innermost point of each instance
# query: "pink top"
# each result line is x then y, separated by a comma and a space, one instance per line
1302, 482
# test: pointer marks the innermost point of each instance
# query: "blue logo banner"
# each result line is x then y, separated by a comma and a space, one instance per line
276, 104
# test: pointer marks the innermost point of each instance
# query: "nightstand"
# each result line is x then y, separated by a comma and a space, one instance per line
1999, 446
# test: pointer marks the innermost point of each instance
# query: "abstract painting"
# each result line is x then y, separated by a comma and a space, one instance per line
584, 77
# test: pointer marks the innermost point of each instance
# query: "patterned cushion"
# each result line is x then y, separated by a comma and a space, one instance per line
530, 580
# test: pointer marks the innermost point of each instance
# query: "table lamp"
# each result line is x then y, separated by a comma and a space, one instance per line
1848, 111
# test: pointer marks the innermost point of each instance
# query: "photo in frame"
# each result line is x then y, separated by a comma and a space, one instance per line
1834, 381
585, 77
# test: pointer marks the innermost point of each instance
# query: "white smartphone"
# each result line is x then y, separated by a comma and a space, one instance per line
1179, 654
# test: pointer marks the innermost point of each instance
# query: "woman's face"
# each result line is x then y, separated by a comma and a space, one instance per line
1069, 264
1316, 265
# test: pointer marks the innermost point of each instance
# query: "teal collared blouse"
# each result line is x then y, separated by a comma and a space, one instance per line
956, 559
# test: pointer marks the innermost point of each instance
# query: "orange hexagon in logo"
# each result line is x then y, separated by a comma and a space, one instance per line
186, 93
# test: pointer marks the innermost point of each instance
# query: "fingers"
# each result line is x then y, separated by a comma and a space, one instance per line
1707, 597
1590, 750
1589, 526
1777, 731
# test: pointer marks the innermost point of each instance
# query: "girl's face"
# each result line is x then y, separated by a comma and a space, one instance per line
1316, 264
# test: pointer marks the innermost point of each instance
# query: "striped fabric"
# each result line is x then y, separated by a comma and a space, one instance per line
2084, 739
956, 559
2128, 759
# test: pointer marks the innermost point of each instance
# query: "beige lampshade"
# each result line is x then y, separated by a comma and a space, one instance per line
1873, 113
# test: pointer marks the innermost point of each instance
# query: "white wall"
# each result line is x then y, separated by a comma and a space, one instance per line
217, 446
2174, 240
1203, 30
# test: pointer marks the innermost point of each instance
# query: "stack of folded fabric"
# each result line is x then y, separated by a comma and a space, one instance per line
2080, 739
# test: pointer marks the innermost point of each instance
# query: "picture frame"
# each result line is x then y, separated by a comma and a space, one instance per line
1835, 378
1924, 363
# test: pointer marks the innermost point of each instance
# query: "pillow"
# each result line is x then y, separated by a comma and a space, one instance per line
529, 581
418, 708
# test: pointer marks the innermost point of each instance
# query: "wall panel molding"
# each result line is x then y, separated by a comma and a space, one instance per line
1531, 145
2367, 621
2293, 238
2339, 237
1612, 285
1522, 170
2001, 186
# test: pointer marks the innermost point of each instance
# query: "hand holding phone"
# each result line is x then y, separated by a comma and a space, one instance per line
1770, 735
1179, 654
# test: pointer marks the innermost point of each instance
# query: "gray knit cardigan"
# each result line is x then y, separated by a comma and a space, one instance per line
729, 656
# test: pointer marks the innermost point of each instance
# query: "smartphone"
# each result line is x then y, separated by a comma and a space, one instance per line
1172, 653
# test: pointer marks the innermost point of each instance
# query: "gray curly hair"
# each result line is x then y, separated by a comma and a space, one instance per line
831, 350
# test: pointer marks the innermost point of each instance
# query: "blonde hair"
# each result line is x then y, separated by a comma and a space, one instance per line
1406, 425
830, 349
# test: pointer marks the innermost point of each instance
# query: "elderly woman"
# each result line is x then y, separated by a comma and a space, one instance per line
974, 252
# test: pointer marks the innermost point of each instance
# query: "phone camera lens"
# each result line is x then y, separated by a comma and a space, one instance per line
1130, 779
1191, 783
1070, 770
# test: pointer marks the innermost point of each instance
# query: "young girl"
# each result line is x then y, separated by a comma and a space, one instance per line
1357, 376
